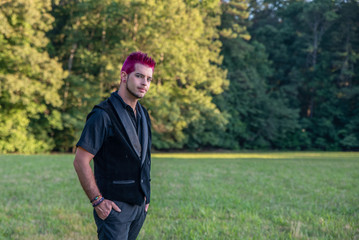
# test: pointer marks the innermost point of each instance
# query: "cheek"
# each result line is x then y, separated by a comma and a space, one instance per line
132, 81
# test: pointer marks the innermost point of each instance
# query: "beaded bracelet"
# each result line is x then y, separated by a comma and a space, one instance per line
99, 196
98, 202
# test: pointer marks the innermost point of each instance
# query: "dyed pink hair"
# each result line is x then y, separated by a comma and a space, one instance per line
137, 57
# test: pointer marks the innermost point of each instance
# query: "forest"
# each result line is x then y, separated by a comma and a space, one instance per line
230, 74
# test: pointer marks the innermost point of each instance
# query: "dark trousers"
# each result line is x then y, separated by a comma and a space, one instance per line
124, 225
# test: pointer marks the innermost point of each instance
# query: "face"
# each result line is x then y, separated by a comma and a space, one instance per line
138, 82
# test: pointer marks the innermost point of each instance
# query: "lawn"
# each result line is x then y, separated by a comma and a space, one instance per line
308, 195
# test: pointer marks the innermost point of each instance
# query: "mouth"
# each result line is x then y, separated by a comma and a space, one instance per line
142, 90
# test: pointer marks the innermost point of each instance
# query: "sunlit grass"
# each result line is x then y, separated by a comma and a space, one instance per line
265, 155
276, 195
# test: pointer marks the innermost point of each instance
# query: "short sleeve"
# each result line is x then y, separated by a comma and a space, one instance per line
96, 130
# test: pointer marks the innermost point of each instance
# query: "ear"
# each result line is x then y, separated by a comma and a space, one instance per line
123, 76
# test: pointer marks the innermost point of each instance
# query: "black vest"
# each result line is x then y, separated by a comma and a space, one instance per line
121, 173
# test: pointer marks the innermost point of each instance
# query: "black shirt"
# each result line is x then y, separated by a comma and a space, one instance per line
135, 119
98, 127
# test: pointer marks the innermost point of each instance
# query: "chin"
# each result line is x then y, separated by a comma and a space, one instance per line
139, 96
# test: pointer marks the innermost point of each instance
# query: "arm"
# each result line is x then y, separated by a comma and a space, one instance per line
88, 183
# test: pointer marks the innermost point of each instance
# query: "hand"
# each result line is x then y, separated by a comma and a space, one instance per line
146, 207
104, 208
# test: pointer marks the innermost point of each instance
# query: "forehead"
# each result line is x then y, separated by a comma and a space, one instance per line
143, 69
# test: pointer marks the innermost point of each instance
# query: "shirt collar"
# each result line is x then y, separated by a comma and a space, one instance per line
119, 100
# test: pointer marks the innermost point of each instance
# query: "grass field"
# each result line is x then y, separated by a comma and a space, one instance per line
194, 196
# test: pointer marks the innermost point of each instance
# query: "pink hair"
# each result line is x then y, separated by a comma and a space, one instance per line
137, 57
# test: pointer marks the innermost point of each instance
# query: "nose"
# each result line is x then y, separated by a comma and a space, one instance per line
145, 81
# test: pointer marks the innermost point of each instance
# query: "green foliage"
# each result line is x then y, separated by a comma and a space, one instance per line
232, 74
313, 48
234, 16
258, 116
29, 78
95, 38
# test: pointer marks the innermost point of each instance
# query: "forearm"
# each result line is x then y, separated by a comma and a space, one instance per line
85, 173
87, 180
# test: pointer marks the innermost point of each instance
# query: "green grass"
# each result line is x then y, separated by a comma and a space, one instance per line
194, 196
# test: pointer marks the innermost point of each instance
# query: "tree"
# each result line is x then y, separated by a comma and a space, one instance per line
257, 119
343, 49
94, 37
314, 59
30, 79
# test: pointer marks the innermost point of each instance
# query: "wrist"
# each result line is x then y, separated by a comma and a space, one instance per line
96, 198
98, 201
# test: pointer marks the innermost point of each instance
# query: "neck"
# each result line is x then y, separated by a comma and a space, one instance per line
127, 98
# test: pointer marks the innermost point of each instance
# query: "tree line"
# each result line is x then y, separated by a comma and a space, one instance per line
231, 74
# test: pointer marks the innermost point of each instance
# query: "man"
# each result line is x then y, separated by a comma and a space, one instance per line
117, 135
